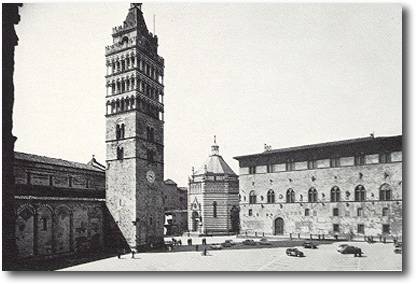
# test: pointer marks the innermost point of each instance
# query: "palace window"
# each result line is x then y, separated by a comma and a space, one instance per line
252, 170
307, 212
385, 212
335, 212
359, 193
359, 212
360, 228
335, 194
252, 197
214, 208
70, 181
385, 192
312, 195
270, 196
250, 212
150, 133
386, 229
290, 196
335, 228
269, 168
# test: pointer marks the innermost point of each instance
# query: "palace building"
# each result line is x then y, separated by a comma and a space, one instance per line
213, 197
347, 189
134, 132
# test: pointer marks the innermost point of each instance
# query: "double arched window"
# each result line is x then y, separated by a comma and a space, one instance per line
335, 194
120, 129
270, 196
359, 193
290, 196
312, 195
252, 197
120, 153
385, 192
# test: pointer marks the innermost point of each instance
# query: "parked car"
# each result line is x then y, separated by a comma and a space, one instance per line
264, 241
216, 246
249, 242
228, 243
356, 251
310, 245
294, 252
398, 247
341, 247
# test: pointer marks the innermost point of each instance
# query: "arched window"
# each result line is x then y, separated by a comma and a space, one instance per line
385, 192
214, 208
122, 128
312, 195
307, 212
118, 133
335, 194
120, 153
290, 196
270, 196
250, 212
359, 193
252, 197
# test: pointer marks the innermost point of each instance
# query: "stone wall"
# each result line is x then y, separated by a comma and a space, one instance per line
321, 217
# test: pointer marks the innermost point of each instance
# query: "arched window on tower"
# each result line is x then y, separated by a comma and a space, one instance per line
120, 153
118, 132
312, 195
270, 196
359, 193
252, 197
290, 196
214, 209
122, 131
385, 192
335, 194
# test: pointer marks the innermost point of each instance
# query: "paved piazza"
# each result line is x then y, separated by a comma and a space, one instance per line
376, 257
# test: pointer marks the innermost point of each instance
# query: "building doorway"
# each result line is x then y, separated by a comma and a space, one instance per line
235, 219
195, 221
278, 226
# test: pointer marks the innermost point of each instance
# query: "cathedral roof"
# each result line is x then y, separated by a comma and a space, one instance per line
215, 164
57, 162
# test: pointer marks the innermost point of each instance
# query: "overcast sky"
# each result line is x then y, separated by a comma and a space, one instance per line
281, 74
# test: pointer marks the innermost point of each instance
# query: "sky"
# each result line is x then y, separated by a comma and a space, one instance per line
280, 74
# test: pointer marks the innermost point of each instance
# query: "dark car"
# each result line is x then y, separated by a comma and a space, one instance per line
310, 245
356, 251
294, 252
249, 242
398, 247
264, 241
228, 243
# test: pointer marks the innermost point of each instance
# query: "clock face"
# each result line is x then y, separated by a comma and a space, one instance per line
150, 176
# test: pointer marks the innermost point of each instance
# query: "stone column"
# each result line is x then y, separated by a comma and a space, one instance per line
10, 13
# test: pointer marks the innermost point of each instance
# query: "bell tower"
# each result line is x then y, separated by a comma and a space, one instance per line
134, 131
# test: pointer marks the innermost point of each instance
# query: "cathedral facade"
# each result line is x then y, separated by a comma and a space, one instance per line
213, 197
347, 189
134, 131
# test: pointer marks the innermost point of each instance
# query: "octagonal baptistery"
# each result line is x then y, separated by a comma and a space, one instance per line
213, 197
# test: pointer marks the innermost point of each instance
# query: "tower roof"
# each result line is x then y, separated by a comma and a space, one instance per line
215, 164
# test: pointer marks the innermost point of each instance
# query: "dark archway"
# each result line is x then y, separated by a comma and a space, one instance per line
195, 221
235, 219
278, 226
